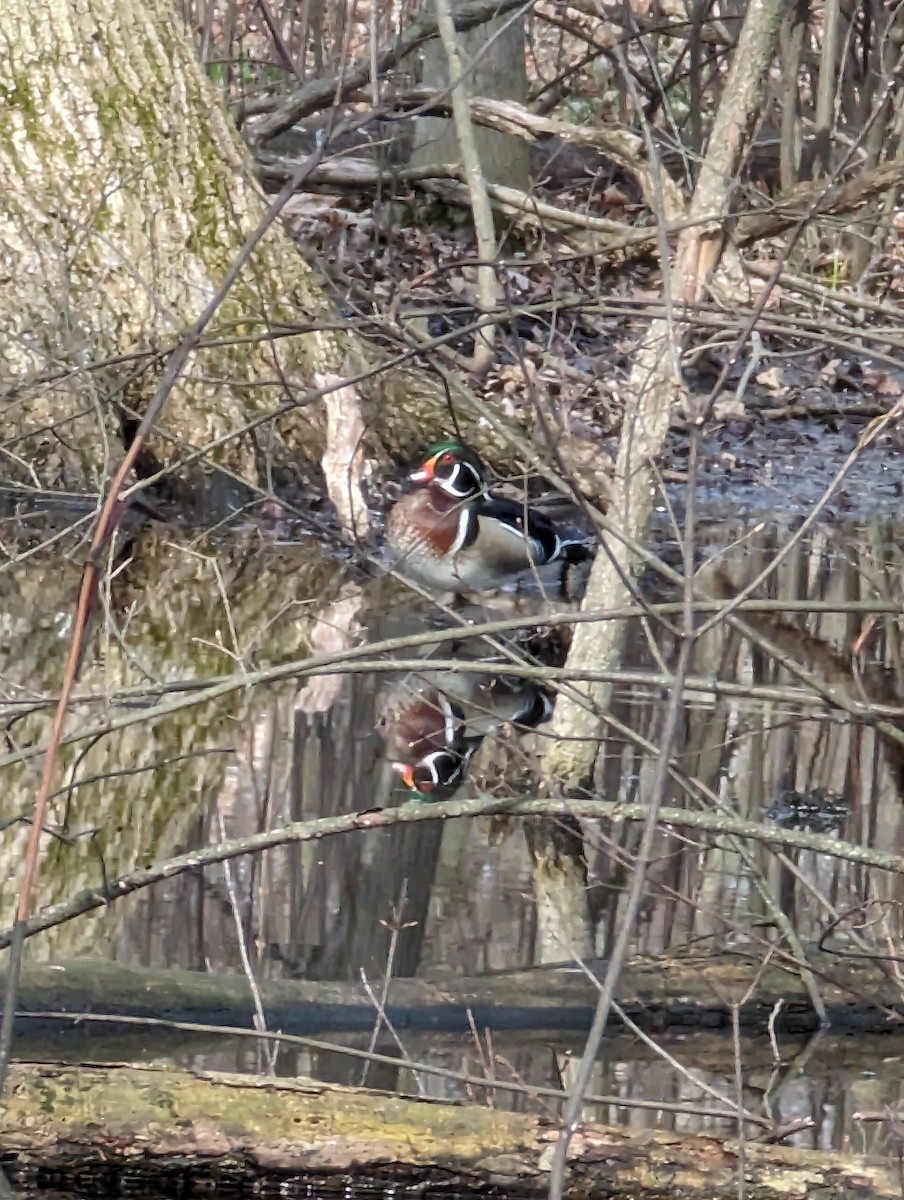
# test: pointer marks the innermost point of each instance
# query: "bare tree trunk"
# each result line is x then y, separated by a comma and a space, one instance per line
494, 66
652, 397
126, 198
127, 195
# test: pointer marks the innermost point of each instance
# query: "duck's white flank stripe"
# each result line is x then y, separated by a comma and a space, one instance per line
448, 719
465, 517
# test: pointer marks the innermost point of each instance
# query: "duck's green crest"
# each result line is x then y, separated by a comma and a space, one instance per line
451, 447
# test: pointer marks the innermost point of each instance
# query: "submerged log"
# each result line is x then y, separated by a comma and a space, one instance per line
687, 992
234, 1129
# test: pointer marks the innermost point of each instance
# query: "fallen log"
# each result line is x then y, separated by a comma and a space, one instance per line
148, 1123
688, 992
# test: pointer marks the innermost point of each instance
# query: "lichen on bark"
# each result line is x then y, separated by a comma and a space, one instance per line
126, 198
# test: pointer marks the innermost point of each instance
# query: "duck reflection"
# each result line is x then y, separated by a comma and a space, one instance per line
434, 722
816, 810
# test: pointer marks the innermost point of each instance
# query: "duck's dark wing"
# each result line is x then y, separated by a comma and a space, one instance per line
541, 540
503, 698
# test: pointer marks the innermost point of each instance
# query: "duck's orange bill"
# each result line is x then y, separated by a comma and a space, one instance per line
425, 473
405, 771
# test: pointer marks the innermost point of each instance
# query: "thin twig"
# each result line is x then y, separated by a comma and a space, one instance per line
380, 1002
321, 827
260, 1020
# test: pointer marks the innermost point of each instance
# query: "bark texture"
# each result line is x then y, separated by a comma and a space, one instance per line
61, 1116
494, 66
127, 196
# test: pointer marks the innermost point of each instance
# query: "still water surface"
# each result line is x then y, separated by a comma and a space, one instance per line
458, 898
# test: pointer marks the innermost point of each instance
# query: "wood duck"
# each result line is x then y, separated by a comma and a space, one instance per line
437, 722
428, 745
449, 532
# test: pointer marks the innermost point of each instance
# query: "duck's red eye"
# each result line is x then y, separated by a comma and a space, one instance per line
447, 460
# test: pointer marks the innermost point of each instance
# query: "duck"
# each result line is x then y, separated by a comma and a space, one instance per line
428, 745
450, 533
434, 723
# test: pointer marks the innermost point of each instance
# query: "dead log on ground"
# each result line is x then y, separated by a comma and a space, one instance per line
233, 1129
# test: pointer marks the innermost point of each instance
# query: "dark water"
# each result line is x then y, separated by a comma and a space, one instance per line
782, 469
458, 898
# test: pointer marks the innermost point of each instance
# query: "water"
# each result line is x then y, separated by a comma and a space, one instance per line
457, 898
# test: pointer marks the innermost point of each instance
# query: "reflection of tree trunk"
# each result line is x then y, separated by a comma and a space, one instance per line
874, 683
564, 929
347, 889
63, 1116
126, 197
359, 904
138, 793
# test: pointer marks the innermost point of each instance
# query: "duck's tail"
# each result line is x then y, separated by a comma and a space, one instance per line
574, 548
538, 710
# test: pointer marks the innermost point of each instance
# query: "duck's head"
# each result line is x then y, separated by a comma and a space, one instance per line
453, 468
436, 776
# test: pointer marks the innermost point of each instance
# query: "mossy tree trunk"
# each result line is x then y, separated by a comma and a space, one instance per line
126, 199
127, 195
